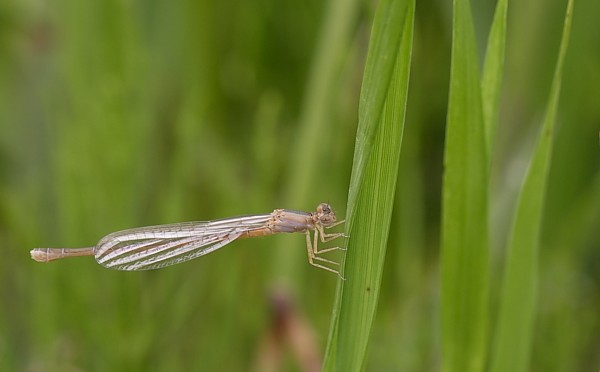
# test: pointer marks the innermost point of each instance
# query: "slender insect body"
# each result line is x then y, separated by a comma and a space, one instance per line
154, 247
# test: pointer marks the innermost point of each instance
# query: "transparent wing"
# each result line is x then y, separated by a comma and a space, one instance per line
154, 247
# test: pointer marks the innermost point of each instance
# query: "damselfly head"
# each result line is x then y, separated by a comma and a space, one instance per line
325, 214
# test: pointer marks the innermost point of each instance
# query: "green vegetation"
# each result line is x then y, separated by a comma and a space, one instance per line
373, 184
120, 114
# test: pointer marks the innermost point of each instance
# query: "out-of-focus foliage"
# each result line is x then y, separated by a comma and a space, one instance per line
116, 114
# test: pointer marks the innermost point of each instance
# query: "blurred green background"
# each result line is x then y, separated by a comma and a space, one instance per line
118, 114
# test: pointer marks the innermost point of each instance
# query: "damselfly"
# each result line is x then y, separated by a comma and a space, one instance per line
154, 247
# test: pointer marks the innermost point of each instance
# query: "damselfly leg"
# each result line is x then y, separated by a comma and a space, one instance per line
313, 247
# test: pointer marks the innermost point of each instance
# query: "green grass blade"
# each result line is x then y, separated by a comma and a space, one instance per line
373, 200
381, 60
491, 79
516, 318
465, 280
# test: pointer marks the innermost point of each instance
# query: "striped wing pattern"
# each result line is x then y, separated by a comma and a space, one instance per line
164, 245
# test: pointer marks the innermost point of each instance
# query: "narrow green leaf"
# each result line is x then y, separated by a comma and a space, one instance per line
465, 280
372, 199
516, 319
491, 79
384, 44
